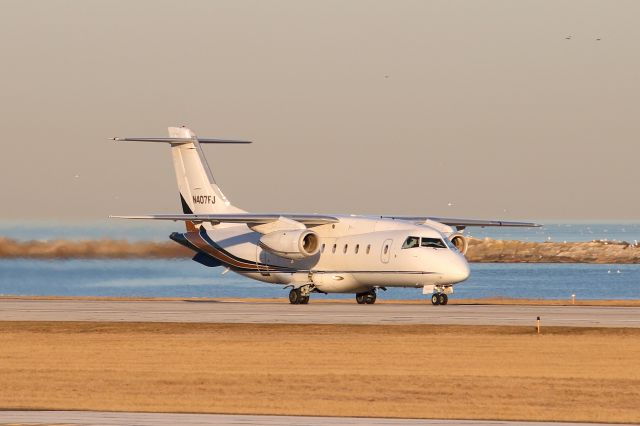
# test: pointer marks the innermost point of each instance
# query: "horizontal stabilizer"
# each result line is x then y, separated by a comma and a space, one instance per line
178, 140
250, 218
463, 222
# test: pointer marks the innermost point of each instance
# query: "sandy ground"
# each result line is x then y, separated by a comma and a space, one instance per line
565, 374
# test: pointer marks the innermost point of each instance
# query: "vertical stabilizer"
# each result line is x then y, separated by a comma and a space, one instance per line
199, 192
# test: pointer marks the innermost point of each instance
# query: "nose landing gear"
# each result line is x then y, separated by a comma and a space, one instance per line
439, 299
439, 293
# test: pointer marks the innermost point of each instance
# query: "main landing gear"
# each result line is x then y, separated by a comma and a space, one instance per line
368, 297
296, 297
439, 299
301, 295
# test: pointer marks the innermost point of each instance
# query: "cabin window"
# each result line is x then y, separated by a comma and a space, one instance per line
357, 248
432, 242
411, 242
333, 250
344, 250
322, 249
368, 248
386, 249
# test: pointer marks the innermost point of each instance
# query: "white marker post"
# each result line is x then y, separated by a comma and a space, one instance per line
538, 324
573, 299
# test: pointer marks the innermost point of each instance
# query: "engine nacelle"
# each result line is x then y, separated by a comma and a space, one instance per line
292, 244
460, 241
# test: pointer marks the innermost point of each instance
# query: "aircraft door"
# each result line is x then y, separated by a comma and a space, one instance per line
385, 252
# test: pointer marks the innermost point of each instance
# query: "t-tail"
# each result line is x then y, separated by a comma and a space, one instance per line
199, 193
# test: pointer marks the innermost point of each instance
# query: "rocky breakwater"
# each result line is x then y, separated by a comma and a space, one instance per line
487, 250
511, 251
90, 249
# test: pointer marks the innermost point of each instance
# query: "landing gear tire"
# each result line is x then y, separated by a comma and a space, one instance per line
304, 300
295, 296
439, 299
368, 298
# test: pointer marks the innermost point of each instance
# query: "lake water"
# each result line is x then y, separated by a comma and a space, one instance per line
185, 278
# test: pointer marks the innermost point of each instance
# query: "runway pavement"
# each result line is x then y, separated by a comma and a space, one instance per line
320, 313
95, 418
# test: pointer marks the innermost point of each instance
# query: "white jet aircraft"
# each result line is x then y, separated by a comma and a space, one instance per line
312, 253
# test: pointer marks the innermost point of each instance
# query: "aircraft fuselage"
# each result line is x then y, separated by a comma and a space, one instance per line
356, 254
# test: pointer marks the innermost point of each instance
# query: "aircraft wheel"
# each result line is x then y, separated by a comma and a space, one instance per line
295, 297
370, 298
435, 299
443, 299
304, 300
360, 298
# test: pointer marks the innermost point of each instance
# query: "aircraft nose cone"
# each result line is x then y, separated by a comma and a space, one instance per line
459, 271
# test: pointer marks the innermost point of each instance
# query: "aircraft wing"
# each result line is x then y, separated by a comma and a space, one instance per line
250, 218
464, 222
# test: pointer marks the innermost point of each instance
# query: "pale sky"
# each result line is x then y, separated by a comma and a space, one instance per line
367, 107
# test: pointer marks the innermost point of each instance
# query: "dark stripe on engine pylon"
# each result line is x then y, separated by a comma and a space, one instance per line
197, 240
216, 250
215, 246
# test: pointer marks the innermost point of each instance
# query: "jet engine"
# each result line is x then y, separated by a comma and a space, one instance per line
292, 244
460, 241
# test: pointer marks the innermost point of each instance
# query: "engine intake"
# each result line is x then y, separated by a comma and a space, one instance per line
460, 241
292, 244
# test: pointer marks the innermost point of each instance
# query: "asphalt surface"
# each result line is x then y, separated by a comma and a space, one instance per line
96, 418
320, 313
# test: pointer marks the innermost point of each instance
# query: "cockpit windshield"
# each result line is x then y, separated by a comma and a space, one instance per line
450, 244
412, 242
432, 242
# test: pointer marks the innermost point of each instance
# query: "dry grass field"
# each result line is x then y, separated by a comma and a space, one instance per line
570, 374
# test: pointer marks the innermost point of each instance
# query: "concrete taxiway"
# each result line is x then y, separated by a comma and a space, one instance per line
321, 313
93, 418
